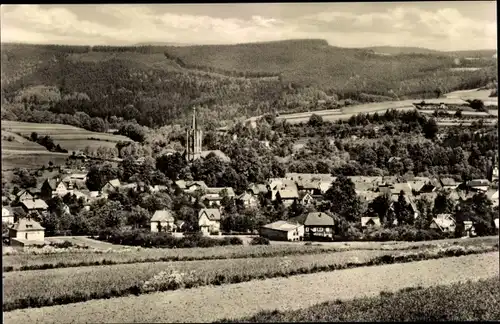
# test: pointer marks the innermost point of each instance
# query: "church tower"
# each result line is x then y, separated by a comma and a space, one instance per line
194, 138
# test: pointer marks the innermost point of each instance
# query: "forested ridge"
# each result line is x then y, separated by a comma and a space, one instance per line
158, 85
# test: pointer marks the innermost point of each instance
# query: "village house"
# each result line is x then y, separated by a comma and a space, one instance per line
191, 186
288, 196
478, 185
209, 221
317, 226
158, 188
23, 194
7, 215
26, 232
283, 231
257, 189
75, 180
370, 222
162, 221
111, 186
248, 200
53, 187
409, 201
214, 196
492, 194
306, 199
448, 184
31, 205
444, 223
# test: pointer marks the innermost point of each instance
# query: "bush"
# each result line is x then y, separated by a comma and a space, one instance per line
164, 240
259, 241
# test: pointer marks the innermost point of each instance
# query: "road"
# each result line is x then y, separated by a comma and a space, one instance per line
211, 303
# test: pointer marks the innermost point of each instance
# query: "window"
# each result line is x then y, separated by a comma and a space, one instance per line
307, 229
328, 229
26, 235
320, 229
29, 226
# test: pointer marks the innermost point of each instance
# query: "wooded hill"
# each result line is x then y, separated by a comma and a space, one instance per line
157, 85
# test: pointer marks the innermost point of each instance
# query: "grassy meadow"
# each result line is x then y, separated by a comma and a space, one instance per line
467, 301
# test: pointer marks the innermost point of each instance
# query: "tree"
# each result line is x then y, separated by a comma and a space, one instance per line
424, 206
315, 120
458, 113
34, 137
380, 207
430, 129
171, 165
343, 199
443, 204
402, 210
138, 217
477, 104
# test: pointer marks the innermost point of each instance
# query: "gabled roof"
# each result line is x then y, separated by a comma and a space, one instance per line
443, 221
288, 194
368, 195
26, 225
34, 204
282, 226
318, 219
115, 183
201, 184
214, 190
23, 192
417, 185
162, 216
8, 209
212, 213
366, 220
53, 183
478, 183
448, 182
398, 187
245, 196
257, 188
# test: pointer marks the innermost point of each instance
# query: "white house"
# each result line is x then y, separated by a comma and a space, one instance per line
209, 220
26, 232
7, 215
111, 186
162, 221
444, 222
248, 200
283, 231
479, 185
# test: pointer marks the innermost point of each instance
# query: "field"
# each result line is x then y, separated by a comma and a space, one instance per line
207, 304
30, 159
20, 154
470, 301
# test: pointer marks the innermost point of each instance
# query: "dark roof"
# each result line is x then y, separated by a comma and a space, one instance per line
319, 219
212, 213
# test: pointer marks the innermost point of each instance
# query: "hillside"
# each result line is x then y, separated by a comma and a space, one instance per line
158, 85
395, 50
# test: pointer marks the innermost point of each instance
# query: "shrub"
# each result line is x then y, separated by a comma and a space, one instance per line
259, 241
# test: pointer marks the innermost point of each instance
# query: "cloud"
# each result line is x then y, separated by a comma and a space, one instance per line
129, 24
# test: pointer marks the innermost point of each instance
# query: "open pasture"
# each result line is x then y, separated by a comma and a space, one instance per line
138, 255
212, 303
14, 142
30, 159
59, 131
464, 301
100, 280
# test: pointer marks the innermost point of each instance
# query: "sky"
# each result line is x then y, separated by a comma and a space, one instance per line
439, 25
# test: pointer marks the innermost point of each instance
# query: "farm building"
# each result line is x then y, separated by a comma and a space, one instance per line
317, 226
162, 221
283, 231
370, 222
7, 215
209, 220
444, 223
23, 194
26, 232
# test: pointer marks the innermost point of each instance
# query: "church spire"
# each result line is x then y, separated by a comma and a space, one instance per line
194, 117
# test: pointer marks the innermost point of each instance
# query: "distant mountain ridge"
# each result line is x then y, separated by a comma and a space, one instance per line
395, 50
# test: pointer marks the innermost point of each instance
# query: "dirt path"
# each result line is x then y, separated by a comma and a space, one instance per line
207, 304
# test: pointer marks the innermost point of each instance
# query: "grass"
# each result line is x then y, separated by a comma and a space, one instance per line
31, 159
469, 301
19, 143
26, 289
107, 254
59, 131
27, 261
